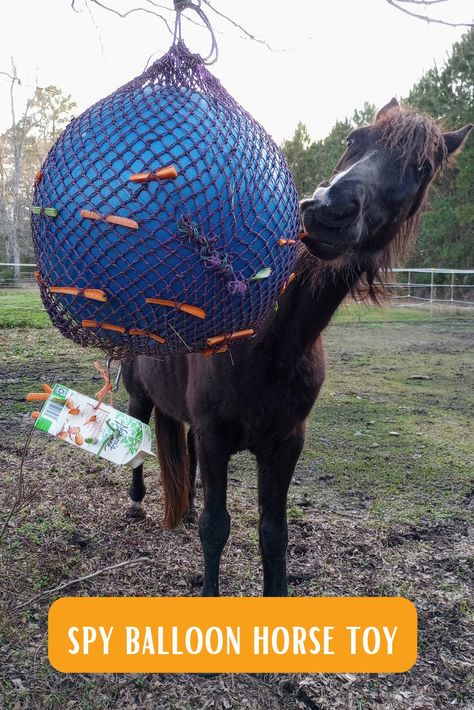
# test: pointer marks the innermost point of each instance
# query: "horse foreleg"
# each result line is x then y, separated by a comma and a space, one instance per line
214, 522
140, 408
275, 470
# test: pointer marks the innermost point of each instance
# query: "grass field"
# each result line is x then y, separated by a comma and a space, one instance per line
381, 504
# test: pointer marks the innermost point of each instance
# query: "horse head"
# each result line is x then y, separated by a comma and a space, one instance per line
379, 185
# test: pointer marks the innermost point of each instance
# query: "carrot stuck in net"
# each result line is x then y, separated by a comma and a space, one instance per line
147, 334
185, 307
110, 219
95, 294
231, 337
214, 351
169, 173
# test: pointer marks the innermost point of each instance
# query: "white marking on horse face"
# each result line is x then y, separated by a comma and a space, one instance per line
322, 194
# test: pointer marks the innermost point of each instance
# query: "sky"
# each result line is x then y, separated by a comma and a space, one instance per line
329, 55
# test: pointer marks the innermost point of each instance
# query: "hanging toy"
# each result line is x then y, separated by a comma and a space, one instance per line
165, 218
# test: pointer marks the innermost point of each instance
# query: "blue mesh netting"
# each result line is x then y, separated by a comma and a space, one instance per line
230, 213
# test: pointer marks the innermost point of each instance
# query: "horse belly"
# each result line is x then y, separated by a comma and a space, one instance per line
165, 381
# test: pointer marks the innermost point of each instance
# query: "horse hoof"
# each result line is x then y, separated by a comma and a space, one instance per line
136, 511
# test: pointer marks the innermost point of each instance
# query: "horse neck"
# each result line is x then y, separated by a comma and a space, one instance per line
304, 310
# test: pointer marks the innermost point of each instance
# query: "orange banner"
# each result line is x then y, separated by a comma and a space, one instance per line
232, 635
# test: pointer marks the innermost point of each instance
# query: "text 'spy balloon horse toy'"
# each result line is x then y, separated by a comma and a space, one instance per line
165, 219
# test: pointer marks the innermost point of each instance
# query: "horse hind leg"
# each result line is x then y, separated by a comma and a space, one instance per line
140, 408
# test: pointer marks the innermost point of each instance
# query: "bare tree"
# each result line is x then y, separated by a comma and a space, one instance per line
410, 7
10, 217
166, 14
419, 9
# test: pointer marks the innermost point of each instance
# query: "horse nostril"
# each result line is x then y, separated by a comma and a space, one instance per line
304, 204
342, 212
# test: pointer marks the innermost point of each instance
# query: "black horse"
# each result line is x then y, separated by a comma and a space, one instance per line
259, 399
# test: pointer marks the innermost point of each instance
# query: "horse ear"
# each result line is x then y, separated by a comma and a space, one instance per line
454, 140
393, 103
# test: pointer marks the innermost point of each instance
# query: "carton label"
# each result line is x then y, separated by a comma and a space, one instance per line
101, 430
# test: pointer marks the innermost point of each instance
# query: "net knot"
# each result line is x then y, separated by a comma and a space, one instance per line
238, 286
180, 6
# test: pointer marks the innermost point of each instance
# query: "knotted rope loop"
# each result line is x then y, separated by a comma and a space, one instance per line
180, 6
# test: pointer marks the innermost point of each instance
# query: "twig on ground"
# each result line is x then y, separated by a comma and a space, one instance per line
71, 582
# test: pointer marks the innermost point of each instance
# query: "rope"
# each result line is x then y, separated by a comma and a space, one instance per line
180, 6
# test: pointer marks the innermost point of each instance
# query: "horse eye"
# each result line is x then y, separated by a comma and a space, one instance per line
349, 142
423, 169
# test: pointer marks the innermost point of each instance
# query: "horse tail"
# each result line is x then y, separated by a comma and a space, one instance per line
174, 466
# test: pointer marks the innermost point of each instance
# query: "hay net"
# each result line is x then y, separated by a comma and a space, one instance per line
164, 219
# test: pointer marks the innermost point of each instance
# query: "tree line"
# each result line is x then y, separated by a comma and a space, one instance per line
446, 93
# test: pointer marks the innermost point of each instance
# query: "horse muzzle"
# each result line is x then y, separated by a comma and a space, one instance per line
329, 236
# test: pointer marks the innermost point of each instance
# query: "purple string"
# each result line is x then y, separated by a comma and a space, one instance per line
212, 258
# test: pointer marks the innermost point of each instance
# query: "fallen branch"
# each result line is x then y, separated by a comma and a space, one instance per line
71, 582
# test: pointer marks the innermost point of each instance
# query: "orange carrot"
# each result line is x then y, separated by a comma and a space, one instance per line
185, 307
37, 397
153, 336
218, 339
214, 351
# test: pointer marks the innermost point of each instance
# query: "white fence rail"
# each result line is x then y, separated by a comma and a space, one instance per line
455, 286
17, 275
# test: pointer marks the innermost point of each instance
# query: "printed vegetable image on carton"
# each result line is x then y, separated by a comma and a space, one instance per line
98, 428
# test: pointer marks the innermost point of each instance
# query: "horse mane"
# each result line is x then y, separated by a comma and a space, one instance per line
415, 137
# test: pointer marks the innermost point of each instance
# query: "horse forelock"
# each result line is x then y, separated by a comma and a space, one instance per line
414, 136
